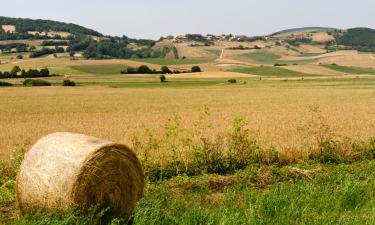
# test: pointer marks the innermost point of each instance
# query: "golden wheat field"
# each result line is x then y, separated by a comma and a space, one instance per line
275, 110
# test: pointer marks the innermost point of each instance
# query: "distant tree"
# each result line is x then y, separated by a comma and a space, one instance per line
68, 82
44, 72
165, 70
196, 69
15, 71
163, 78
144, 70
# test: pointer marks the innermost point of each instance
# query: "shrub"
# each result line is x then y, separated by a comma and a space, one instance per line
19, 56
232, 81
165, 70
196, 69
280, 64
68, 82
5, 84
144, 70
163, 78
36, 82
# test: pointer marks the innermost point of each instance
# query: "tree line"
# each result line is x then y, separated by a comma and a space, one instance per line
143, 69
361, 39
17, 72
46, 51
25, 25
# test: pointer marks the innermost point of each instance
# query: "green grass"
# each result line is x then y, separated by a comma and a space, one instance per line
269, 58
351, 70
164, 61
262, 57
334, 194
100, 69
344, 194
216, 52
270, 71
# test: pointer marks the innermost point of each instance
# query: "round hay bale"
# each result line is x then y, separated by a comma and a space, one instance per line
65, 170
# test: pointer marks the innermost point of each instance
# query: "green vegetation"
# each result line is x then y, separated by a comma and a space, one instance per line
16, 72
351, 70
232, 179
24, 25
55, 43
196, 69
163, 79
19, 47
46, 51
35, 83
262, 57
99, 69
216, 52
299, 41
269, 58
69, 83
269, 71
362, 39
5, 84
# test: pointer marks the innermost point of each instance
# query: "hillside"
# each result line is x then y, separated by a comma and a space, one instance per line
303, 29
300, 51
362, 39
23, 27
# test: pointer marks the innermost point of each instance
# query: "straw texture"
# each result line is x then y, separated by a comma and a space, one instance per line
64, 170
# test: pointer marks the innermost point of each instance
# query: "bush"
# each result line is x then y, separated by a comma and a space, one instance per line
280, 64
196, 69
5, 84
68, 82
163, 78
165, 70
144, 70
19, 57
232, 81
36, 82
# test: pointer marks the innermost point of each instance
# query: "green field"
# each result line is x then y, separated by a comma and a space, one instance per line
216, 52
100, 69
269, 58
270, 71
164, 61
351, 70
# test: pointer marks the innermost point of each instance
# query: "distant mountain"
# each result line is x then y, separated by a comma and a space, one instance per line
25, 26
303, 29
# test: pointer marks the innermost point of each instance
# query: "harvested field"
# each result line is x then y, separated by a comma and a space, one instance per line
322, 37
215, 74
314, 69
273, 113
357, 60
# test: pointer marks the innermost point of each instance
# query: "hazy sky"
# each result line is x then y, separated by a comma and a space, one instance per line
155, 18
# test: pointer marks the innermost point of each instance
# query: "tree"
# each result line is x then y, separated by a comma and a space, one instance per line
144, 70
68, 82
163, 78
15, 70
44, 72
196, 69
165, 70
